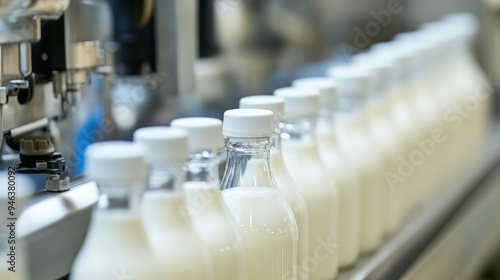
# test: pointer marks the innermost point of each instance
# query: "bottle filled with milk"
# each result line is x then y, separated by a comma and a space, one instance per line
116, 243
355, 138
168, 225
211, 218
284, 180
339, 167
249, 190
302, 159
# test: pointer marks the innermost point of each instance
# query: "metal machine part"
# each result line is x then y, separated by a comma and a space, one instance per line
37, 155
47, 49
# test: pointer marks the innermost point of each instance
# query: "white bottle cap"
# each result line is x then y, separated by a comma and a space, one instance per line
300, 102
115, 162
327, 88
248, 123
353, 81
164, 145
204, 134
274, 104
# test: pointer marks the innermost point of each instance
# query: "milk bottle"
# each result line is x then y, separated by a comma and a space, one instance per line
249, 190
456, 91
385, 134
16, 190
427, 110
211, 218
356, 140
471, 90
340, 168
407, 121
168, 226
302, 159
477, 100
284, 181
116, 243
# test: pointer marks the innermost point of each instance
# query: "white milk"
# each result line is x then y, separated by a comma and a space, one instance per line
173, 237
291, 193
388, 138
354, 142
115, 247
268, 231
303, 162
217, 229
346, 181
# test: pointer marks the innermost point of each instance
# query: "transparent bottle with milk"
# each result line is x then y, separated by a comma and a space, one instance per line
340, 169
210, 216
302, 159
284, 180
355, 140
249, 190
385, 133
169, 227
17, 189
427, 112
478, 98
116, 243
466, 89
408, 178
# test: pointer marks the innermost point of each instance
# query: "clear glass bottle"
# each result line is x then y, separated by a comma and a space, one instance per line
302, 159
211, 218
385, 133
168, 225
284, 180
116, 243
339, 167
249, 190
356, 140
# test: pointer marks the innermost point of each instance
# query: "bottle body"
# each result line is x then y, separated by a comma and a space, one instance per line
173, 238
292, 195
346, 181
354, 140
265, 219
302, 160
212, 220
127, 252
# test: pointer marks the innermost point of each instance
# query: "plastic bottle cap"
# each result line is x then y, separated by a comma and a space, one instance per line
300, 102
115, 162
204, 134
272, 103
164, 145
353, 81
327, 88
248, 123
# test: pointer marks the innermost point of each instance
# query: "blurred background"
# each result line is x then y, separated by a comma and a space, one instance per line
83, 71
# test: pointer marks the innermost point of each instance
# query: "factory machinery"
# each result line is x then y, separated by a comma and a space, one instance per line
134, 63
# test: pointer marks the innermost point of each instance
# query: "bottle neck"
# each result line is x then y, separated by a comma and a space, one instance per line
248, 163
276, 140
120, 197
298, 130
350, 112
166, 177
203, 166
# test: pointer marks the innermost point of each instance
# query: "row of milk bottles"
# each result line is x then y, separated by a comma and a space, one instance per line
317, 175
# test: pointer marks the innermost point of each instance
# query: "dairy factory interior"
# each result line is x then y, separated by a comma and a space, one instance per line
249, 139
